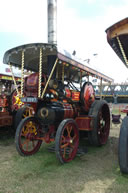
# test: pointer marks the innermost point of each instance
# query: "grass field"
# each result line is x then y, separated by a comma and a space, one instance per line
95, 172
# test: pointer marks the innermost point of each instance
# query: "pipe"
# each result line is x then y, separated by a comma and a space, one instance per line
52, 21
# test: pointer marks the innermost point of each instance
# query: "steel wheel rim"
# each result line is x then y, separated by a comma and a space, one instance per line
69, 142
103, 124
27, 138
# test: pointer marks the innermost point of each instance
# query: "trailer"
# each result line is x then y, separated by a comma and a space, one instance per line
117, 37
59, 99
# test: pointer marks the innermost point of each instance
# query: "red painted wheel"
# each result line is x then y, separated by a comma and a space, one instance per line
15, 101
101, 123
27, 136
87, 95
66, 141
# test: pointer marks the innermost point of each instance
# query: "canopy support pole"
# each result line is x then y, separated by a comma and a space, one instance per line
40, 73
49, 78
14, 80
22, 73
122, 51
100, 88
63, 73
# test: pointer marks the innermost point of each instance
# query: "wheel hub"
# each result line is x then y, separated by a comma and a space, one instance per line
68, 140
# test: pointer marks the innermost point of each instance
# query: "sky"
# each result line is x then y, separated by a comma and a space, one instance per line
81, 26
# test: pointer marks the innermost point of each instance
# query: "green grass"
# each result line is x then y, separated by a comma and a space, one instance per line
97, 171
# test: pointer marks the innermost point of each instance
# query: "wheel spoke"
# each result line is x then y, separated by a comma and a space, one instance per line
33, 143
63, 140
27, 145
74, 137
72, 146
24, 131
29, 112
70, 152
26, 141
69, 129
65, 145
64, 152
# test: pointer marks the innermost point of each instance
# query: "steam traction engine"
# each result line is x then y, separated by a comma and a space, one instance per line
117, 37
61, 102
9, 99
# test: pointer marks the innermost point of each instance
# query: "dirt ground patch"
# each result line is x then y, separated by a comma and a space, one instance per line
95, 172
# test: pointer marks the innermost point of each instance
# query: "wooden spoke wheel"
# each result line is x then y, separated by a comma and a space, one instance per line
15, 101
87, 95
101, 123
22, 113
27, 136
66, 141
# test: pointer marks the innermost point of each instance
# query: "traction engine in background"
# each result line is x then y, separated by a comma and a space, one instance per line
9, 100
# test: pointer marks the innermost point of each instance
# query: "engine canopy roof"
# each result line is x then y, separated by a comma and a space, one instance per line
32, 57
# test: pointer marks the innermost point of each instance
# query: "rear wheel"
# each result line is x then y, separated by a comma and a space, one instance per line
123, 146
66, 141
27, 136
101, 123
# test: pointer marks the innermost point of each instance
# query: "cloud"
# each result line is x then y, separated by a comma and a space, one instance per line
87, 36
83, 34
26, 17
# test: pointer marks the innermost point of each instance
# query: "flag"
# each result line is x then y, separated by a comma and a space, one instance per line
7, 70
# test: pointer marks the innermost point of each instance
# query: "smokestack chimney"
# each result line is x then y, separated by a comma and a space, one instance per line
52, 21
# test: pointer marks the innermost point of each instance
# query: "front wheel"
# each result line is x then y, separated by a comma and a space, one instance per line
66, 141
27, 136
123, 146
